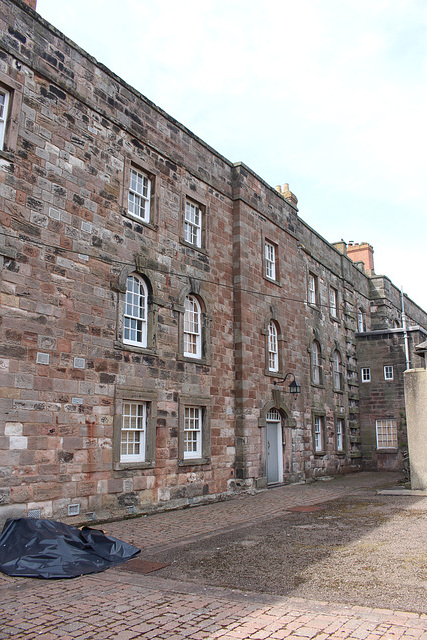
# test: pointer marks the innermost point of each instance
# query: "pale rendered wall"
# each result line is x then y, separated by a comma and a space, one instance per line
416, 412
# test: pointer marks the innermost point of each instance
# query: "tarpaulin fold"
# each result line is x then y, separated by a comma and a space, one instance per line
47, 549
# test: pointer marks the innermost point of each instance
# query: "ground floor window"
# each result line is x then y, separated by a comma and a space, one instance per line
134, 424
339, 435
319, 433
194, 430
386, 434
134, 429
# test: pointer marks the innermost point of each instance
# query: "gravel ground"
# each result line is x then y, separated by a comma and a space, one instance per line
370, 551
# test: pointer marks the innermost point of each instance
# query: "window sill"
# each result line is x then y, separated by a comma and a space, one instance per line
202, 361
134, 348
194, 247
317, 386
340, 391
7, 155
334, 319
276, 282
274, 374
137, 220
191, 462
319, 454
313, 306
391, 450
124, 466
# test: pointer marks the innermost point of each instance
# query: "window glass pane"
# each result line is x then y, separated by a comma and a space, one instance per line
273, 359
135, 312
132, 444
192, 226
270, 261
386, 434
192, 328
192, 432
139, 195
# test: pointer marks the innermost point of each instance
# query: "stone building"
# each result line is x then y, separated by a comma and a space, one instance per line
154, 295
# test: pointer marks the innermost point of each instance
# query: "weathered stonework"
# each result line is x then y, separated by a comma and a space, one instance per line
75, 132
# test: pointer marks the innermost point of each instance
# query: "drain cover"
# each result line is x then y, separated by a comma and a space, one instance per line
138, 565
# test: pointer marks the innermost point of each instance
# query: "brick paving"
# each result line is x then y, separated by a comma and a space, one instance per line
120, 605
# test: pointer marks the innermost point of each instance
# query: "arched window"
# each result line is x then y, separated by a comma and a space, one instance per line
135, 312
273, 347
337, 371
192, 328
361, 320
316, 360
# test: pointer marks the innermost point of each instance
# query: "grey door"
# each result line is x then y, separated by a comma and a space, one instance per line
274, 447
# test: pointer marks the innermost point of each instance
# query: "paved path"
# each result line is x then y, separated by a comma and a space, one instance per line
120, 605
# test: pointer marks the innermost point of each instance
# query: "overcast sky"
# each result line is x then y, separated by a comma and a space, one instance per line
327, 95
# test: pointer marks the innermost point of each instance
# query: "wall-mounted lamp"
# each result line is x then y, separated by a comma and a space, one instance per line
294, 387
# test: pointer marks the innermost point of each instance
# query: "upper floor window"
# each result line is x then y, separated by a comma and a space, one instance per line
388, 372
316, 360
4, 106
193, 224
366, 374
135, 312
337, 371
361, 320
192, 328
133, 432
313, 291
333, 302
270, 261
139, 195
273, 347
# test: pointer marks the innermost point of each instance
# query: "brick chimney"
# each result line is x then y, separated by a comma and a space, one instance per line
362, 252
31, 3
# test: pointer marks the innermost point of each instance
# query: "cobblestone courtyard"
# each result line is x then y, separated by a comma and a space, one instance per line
210, 588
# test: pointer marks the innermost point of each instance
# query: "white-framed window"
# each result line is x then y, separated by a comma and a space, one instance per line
193, 432
337, 371
312, 289
193, 224
388, 372
333, 302
386, 434
135, 312
318, 431
361, 320
270, 261
139, 195
133, 431
273, 347
365, 374
316, 367
192, 328
339, 435
4, 107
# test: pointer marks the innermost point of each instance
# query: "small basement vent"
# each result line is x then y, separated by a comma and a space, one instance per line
73, 509
34, 514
